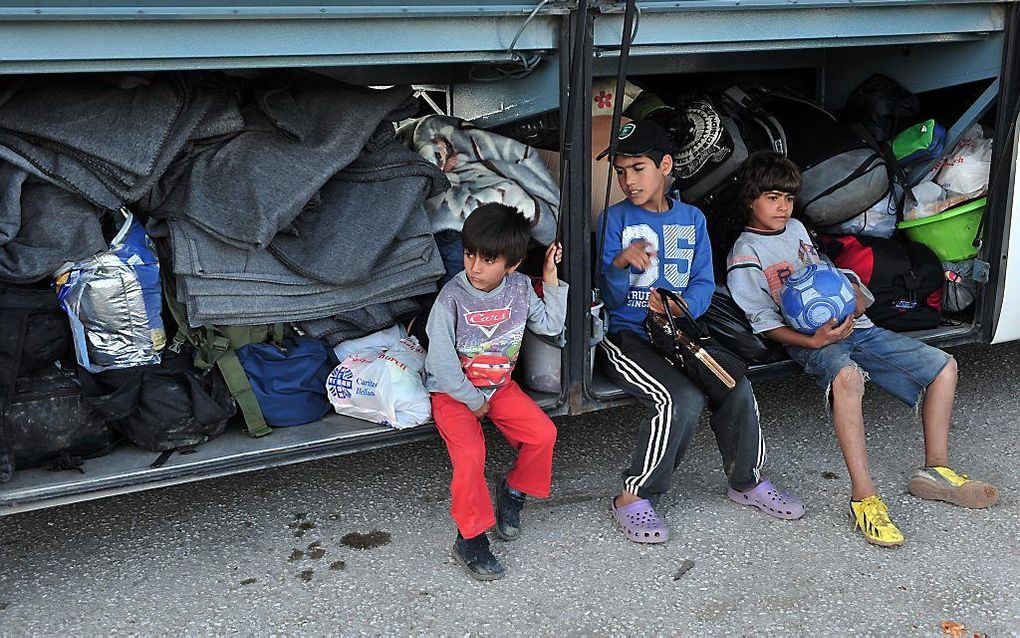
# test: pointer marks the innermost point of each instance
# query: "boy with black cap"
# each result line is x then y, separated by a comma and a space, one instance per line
654, 242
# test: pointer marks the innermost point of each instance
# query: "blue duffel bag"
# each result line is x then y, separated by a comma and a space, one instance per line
289, 382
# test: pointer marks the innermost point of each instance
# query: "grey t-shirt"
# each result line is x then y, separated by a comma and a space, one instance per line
761, 261
475, 336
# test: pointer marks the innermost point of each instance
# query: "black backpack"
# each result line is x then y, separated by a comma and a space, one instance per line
711, 139
882, 106
161, 407
906, 279
843, 174
728, 323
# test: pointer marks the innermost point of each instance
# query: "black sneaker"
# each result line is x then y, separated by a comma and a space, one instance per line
508, 513
474, 556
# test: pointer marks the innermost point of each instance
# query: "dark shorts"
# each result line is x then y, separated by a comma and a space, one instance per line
900, 365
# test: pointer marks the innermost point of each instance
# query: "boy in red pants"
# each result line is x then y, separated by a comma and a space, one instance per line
475, 331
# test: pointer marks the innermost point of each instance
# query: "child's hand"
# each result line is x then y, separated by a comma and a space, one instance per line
636, 255
482, 410
655, 303
832, 332
553, 256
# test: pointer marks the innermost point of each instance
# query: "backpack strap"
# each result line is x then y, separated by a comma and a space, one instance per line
240, 389
897, 176
753, 111
220, 349
11, 342
214, 347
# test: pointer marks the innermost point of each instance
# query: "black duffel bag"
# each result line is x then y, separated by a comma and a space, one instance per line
725, 321
49, 424
34, 334
161, 407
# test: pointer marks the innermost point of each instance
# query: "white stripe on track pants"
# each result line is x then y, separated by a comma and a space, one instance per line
674, 405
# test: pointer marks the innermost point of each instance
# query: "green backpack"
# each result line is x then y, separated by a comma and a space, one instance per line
216, 346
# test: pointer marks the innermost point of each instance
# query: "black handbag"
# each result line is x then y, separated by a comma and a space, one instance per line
689, 348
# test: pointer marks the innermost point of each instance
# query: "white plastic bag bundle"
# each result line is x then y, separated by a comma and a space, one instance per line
877, 221
965, 170
928, 198
383, 387
376, 342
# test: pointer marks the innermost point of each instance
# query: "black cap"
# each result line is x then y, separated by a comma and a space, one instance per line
640, 138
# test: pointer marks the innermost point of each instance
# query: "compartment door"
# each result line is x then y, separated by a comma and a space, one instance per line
1005, 324
1000, 312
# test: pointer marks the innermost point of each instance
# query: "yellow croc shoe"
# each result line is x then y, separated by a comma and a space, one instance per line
871, 516
942, 483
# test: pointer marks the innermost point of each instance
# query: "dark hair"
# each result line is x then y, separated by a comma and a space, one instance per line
496, 230
655, 155
765, 171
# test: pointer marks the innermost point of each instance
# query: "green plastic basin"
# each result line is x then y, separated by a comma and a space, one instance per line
950, 233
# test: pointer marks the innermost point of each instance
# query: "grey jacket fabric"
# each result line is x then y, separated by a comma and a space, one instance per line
361, 213
283, 199
411, 269
358, 323
42, 227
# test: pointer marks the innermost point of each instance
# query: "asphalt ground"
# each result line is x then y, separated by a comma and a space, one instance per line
361, 544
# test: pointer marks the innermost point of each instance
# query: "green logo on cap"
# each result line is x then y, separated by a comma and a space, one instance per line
625, 131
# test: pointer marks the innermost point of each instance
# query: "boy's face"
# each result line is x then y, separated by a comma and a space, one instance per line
485, 273
642, 181
771, 210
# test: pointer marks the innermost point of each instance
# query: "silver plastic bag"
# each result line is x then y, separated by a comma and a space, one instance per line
113, 301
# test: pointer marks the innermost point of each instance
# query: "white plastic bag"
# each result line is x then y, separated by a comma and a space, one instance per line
965, 170
927, 197
376, 342
382, 387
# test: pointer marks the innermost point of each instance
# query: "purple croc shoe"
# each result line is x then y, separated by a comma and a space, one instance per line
640, 523
769, 499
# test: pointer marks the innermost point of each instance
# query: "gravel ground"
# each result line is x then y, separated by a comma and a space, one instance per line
360, 544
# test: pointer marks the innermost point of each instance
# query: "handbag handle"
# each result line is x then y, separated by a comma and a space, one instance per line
669, 295
695, 348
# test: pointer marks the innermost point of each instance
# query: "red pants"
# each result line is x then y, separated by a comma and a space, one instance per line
526, 427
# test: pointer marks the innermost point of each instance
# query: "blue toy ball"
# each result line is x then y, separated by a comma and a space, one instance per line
815, 295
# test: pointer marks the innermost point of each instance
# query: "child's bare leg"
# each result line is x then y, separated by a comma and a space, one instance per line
848, 417
625, 498
937, 413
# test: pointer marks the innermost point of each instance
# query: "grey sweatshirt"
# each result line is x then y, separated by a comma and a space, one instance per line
475, 336
761, 261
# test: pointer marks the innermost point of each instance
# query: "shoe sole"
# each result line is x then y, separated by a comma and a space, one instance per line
471, 572
886, 544
765, 509
975, 495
